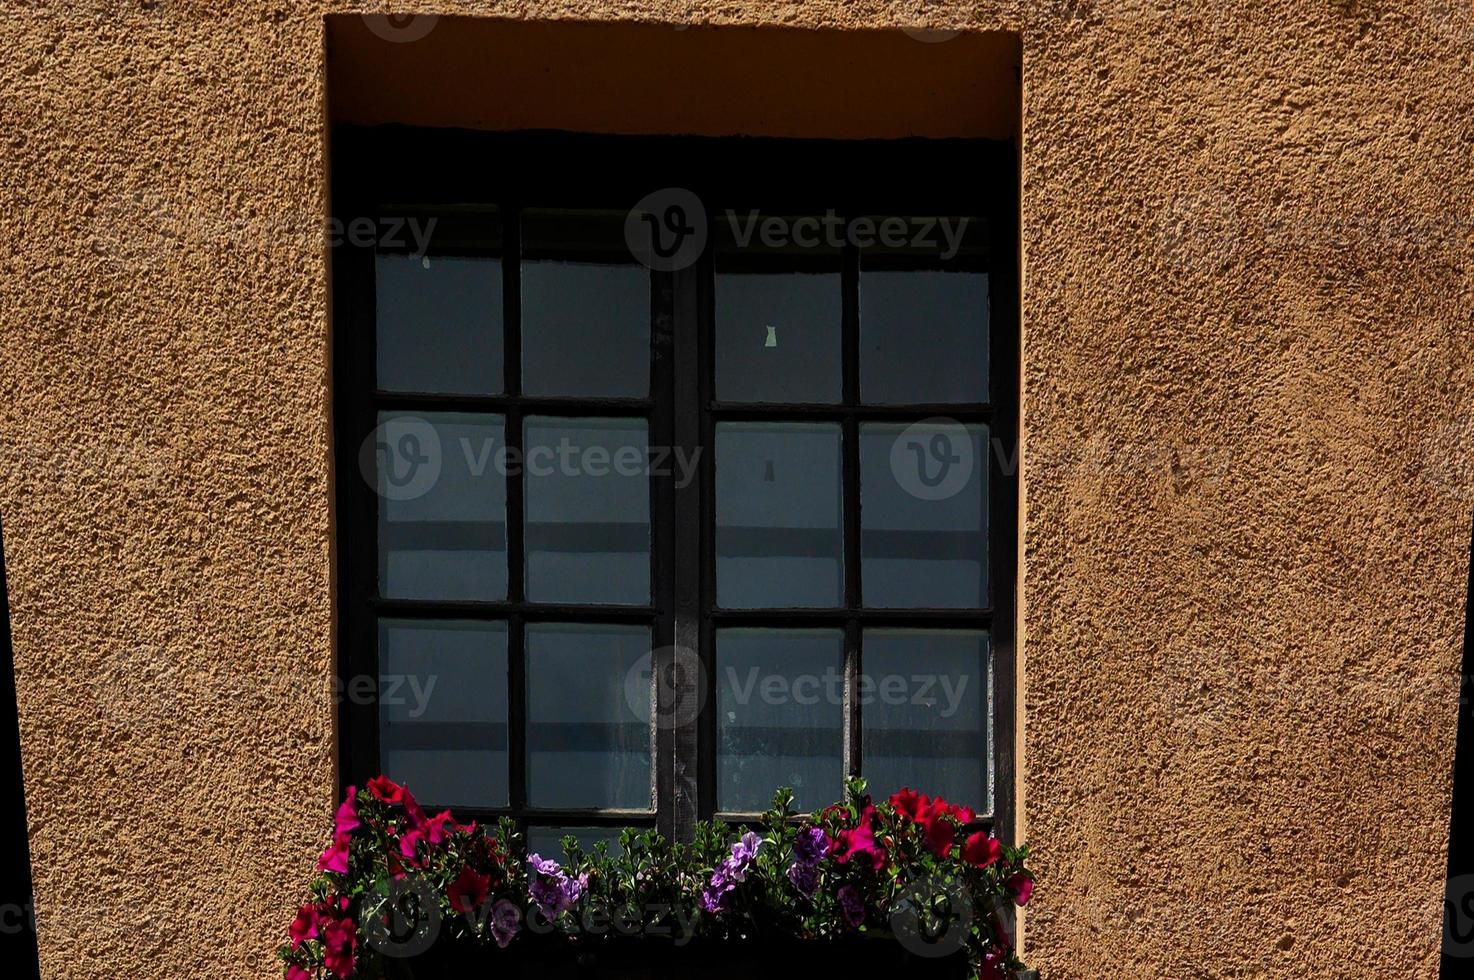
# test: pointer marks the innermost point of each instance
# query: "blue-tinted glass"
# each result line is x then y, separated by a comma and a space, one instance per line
442, 506
585, 307
588, 510
778, 537
439, 323
588, 737
924, 515
547, 842
780, 716
442, 699
926, 711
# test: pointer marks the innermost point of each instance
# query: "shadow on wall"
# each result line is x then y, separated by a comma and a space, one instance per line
1458, 903
17, 932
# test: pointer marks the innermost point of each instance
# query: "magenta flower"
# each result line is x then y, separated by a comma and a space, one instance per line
295, 972
347, 819
335, 858
304, 926
339, 944
1022, 886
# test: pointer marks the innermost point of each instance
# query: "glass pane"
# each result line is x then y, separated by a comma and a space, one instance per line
588, 740
926, 709
547, 842
778, 509
924, 317
924, 515
588, 510
439, 323
442, 506
585, 307
780, 721
778, 310
443, 709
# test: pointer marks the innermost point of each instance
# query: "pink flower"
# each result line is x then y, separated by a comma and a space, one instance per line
408, 843
859, 843
304, 926
347, 819
981, 850
339, 944
335, 858
1022, 887
295, 972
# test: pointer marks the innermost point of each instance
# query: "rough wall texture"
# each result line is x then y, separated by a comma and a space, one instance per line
1248, 468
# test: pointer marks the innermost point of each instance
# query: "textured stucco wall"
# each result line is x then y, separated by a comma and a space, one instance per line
1248, 468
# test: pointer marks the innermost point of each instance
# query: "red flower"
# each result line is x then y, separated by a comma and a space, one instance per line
468, 892
347, 819
386, 790
339, 944
335, 858
982, 850
295, 972
440, 827
304, 926
909, 804
1022, 887
936, 824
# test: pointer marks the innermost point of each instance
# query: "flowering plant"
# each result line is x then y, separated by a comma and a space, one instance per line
396, 881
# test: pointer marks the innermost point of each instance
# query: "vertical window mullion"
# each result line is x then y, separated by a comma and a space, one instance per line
516, 557
850, 480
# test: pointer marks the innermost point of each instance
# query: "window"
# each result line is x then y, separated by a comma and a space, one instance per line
637, 543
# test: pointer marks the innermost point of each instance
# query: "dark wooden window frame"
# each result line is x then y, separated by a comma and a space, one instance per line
388, 172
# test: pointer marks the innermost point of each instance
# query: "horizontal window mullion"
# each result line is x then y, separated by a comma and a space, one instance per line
980, 618
530, 611
528, 404
742, 412
594, 817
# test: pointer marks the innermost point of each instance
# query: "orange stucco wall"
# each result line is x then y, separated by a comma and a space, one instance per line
1247, 470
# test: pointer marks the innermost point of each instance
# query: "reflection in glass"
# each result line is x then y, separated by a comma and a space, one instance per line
585, 307
588, 736
777, 328
588, 510
778, 508
923, 336
926, 709
443, 710
442, 506
439, 323
924, 515
780, 703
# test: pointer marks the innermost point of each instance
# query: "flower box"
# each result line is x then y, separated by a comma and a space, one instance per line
899, 884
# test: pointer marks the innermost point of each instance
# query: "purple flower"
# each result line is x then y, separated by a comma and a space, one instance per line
506, 921
730, 873
852, 905
805, 877
551, 889
811, 846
